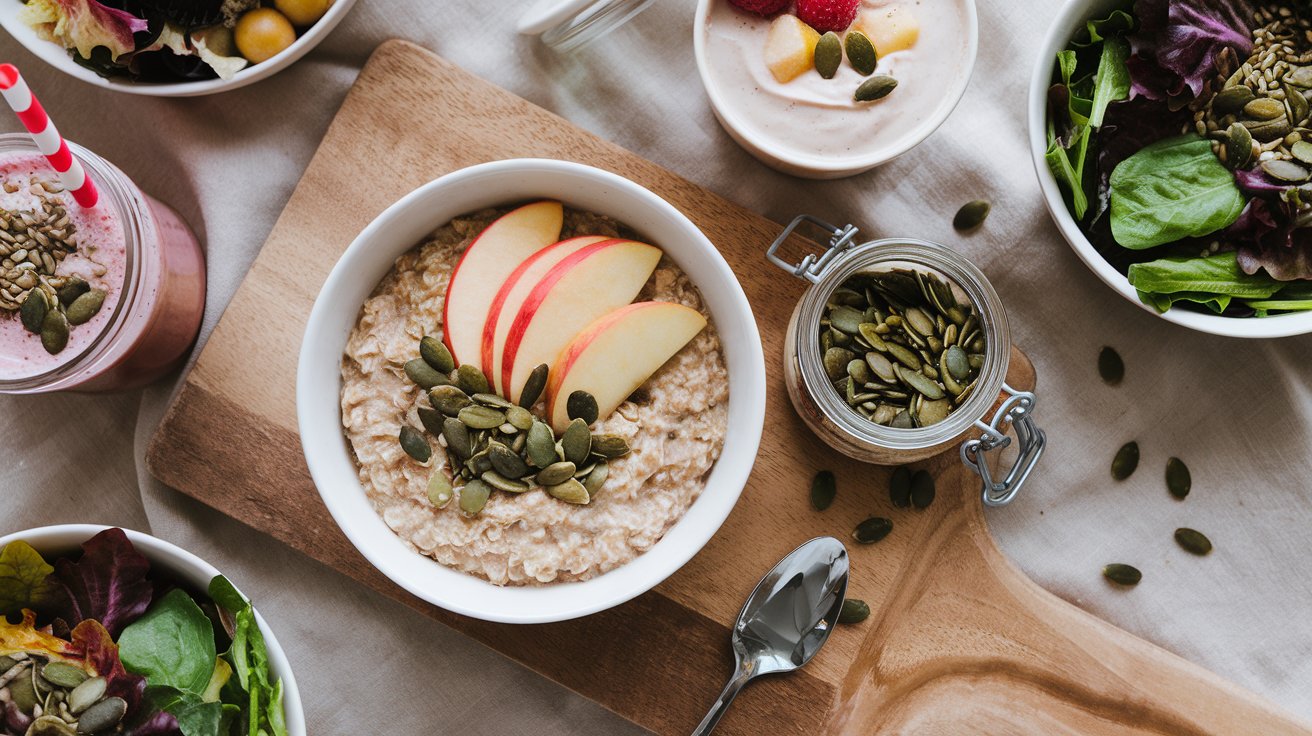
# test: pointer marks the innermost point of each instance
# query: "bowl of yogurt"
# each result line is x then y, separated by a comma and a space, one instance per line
780, 108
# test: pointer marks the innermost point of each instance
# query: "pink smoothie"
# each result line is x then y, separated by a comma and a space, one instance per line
100, 259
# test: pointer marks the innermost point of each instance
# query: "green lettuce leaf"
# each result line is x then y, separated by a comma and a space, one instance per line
24, 575
1171, 190
1212, 281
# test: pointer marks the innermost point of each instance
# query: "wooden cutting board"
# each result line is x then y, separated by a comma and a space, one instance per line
959, 641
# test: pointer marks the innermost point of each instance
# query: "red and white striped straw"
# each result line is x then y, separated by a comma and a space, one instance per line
47, 137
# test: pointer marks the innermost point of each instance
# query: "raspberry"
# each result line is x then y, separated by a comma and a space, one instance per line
827, 15
761, 7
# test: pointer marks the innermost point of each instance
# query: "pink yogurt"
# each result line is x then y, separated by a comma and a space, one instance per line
136, 249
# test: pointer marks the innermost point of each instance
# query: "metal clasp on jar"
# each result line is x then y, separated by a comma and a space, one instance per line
1016, 410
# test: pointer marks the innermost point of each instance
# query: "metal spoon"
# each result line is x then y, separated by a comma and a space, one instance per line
786, 619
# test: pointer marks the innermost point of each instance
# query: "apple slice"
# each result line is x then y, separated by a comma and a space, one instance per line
486, 263
518, 285
617, 353
579, 289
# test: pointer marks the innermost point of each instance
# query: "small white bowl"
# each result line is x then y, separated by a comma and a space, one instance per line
63, 539
818, 166
1071, 19
59, 57
368, 259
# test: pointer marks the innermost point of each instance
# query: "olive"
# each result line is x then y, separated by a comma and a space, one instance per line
262, 34
303, 12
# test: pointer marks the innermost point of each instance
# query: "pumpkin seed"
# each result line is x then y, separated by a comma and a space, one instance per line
1285, 170
904, 356
1178, 480
1267, 131
823, 490
1110, 366
448, 399
1122, 574
902, 420
836, 360
576, 442
1301, 76
854, 611
457, 438
439, 489
581, 405
955, 363
423, 375
85, 307
492, 400
414, 444
87, 694
1126, 460
861, 53
597, 478
919, 382
571, 491
933, 412
875, 88
541, 445
481, 417
532, 391
971, 215
48, 725
32, 313
609, 446
872, 530
70, 291
102, 716
922, 489
23, 693
474, 495
1296, 107
502, 483
1193, 541
1264, 108
556, 473
64, 675
899, 487
859, 371
1232, 99
519, 418
54, 331
881, 367
828, 55
846, 319
506, 462
1302, 150
471, 380
432, 420
868, 333
436, 355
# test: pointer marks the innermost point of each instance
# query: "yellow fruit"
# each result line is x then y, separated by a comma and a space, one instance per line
303, 12
891, 28
790, 48
262, 34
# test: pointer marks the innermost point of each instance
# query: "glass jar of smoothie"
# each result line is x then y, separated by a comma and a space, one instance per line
117, 290
883, 387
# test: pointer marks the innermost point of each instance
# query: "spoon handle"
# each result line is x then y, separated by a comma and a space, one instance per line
731, 689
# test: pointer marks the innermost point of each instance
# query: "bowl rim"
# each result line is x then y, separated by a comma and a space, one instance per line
57, 56
190, 565
816, 165
1060, 31
325, 447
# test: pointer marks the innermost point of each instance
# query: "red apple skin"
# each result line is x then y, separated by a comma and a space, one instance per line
446, 303
494, 313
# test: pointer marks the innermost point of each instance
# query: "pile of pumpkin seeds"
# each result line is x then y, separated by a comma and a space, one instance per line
45, 697
32, 245
861, 56
493, 444
1260, 110
899, 347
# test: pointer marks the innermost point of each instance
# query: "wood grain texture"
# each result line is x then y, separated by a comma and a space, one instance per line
959, 641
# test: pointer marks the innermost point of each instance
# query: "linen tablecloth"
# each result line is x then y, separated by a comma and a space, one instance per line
1238, 412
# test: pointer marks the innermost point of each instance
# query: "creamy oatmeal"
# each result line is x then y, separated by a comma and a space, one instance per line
674, 424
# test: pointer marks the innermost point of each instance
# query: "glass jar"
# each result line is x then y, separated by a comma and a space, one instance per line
149, 320
828, 414
566, 25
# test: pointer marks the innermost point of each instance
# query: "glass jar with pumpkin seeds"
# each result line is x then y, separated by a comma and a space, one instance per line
899, 352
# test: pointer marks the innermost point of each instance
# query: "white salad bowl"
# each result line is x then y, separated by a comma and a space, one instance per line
60, 58
63, 539
368, 259
1071, 19
819, 166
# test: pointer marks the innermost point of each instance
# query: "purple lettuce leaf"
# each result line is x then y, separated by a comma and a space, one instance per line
1256, 182
107, 583
1268, 238
102, 654
1178, 41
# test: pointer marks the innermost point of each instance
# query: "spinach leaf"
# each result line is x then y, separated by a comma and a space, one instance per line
1213, 281
1170, 190
1112, 82
195, 716
23, 578
225, 594
1162, 302
172, 644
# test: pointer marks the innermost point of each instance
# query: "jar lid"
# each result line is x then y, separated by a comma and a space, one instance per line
567, 24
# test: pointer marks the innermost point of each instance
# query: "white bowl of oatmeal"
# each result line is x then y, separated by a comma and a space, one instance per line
527, 557
813, 127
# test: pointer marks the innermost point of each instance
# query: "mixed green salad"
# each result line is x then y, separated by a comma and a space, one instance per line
1179, 132
99, 643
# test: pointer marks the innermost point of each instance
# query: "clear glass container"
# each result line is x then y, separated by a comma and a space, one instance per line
828, 414
565, 25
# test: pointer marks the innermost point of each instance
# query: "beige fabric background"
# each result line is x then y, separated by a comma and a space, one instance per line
1240, 413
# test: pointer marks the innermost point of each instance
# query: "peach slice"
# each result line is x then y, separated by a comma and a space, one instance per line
508, 300
486, 263
617, 353
790, 48
891, 28
576, 291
